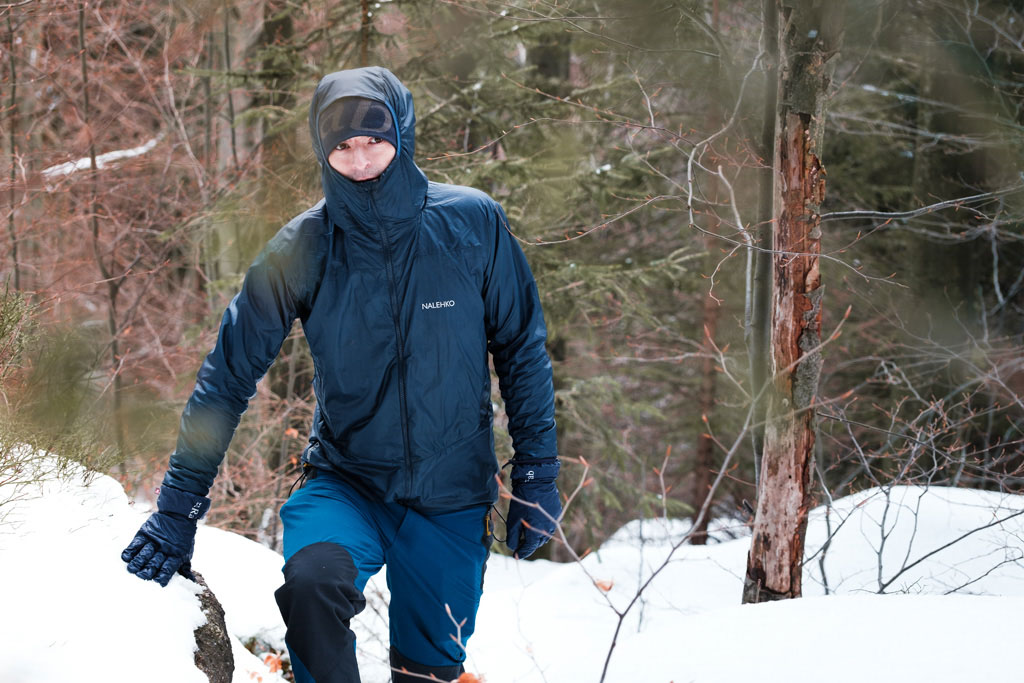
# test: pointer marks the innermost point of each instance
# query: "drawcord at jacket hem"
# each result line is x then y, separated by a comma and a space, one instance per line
308, 473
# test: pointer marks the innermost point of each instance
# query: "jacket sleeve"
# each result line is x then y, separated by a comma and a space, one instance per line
516, 337
252, 331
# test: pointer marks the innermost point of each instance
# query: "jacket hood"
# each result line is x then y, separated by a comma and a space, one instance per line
399, 193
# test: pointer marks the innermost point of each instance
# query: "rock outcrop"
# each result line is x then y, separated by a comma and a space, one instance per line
213, 655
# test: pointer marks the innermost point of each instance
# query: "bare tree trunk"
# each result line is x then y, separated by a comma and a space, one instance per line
758, 332
328, 42
227, 71
12, 131
230, 242
809, 36
280, 70
364, 33
702, 468
208, 108
113, 282
704, 460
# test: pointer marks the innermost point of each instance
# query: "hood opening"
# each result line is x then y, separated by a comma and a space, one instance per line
399, 192
344, 117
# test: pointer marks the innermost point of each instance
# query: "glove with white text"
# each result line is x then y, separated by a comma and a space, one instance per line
536, 508
165, 541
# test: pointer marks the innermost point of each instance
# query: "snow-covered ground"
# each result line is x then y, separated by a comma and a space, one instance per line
71, 613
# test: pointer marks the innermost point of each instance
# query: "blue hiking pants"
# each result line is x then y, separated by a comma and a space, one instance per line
336, 538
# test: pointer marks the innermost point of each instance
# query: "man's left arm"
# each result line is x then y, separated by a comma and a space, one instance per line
516, 339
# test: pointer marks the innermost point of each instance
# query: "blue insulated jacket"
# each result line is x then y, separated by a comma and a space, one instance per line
403, 286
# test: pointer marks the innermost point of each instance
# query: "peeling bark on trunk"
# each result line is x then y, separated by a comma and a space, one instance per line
810, 33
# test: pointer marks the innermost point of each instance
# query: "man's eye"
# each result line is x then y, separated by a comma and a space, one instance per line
376, 140
342, 145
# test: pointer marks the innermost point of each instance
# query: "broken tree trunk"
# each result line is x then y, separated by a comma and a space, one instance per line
810, 32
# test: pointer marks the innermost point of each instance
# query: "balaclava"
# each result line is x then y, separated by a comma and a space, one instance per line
352, 116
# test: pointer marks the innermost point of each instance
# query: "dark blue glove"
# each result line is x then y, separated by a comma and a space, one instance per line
535, 506
164, 543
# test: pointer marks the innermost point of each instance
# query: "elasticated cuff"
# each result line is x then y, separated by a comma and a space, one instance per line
178, 502
540, 471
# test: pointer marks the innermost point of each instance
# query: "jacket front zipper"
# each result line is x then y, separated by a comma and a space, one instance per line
392, 287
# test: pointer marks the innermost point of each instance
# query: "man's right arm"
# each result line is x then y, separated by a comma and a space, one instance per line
252, 330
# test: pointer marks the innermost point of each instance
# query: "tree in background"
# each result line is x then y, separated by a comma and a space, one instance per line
808, 43
624, 139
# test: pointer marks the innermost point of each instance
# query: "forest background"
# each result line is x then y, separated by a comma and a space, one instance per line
152, 148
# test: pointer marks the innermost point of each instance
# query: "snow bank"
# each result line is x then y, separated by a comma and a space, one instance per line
547, 622
912, 539
72, 612
839, 639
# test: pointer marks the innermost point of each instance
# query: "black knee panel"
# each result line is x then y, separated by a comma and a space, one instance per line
317, 600
324, 574
400, 662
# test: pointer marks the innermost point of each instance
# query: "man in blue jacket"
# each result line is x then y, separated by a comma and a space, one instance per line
403, 287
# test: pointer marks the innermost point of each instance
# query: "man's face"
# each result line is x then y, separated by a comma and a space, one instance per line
361, 157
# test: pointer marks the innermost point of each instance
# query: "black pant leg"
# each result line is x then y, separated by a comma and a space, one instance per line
318, 600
